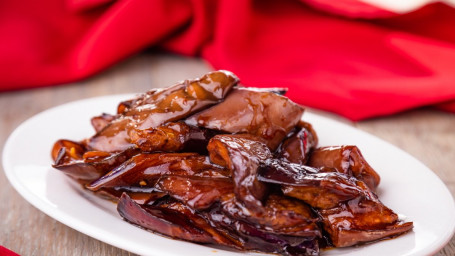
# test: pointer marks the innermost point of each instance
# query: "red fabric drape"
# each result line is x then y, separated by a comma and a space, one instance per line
6, 252
342, 56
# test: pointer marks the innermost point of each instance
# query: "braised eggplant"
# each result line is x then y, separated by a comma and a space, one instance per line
211, 162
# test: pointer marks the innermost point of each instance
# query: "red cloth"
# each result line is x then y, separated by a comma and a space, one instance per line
342, 56
6, 252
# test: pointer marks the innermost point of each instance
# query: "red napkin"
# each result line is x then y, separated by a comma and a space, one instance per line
6, 252
342, 56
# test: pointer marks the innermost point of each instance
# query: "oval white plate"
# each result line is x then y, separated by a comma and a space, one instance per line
407, 186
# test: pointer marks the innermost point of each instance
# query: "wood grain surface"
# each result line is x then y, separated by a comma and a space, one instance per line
427, 134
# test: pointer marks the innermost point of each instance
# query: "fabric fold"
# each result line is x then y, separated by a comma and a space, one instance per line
347, 57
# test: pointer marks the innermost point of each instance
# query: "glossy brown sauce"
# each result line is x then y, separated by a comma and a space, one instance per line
212, 163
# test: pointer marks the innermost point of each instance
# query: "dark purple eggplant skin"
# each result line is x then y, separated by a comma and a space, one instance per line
258, 240
280, 215
164, 221
211, 227
175, 220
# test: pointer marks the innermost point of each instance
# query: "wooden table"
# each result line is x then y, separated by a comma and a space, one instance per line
426, 134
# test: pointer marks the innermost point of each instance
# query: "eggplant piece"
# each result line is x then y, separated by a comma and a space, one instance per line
197, 192
347, 160
72, 151
242, 154
87, 166
281, 215
178, 221
128, 104
139, 100
264, 114
297, 147
322, 198
99, 122
145, 198
361, 220
220, 236
172, 137
169, 222
259, 240
309, 127
114, 137
351, 212
140, 196
318, 189
292, 246
168, 105
183, 99
144, 170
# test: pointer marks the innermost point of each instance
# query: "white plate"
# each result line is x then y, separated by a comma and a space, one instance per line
407, 186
